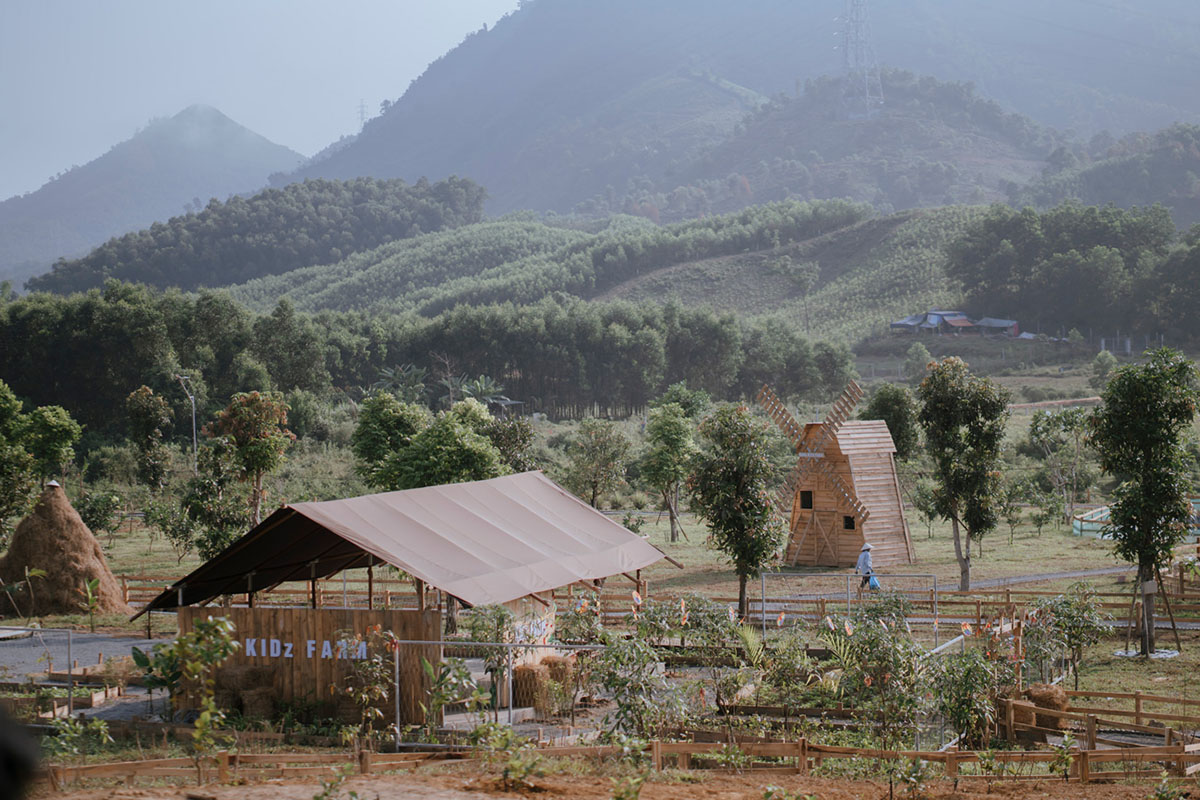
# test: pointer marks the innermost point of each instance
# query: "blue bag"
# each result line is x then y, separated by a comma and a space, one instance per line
873, 583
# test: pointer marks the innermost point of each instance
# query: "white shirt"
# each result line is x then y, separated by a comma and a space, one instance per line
863, 567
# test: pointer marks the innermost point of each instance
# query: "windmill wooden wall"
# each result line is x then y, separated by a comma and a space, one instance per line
849, 468
861, 456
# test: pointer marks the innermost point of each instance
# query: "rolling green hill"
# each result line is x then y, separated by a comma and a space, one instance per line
172, 163
276, 230
872, 270
870, 273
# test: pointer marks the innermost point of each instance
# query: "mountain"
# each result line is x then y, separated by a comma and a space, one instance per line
933, 143
276, 230
182, 161
564, 100
1139, 170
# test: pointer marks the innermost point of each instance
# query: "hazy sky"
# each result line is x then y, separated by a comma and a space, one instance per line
78, 76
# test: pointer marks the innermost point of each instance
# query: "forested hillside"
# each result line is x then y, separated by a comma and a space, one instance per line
565, 100
182, 161
314, 222
561, 355
520, 260
1076, 266
933, 143
1139, 170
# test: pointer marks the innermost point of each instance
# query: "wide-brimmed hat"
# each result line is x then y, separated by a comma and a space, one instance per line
866, 546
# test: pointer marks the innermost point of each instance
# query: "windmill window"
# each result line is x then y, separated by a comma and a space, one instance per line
848, 523
806, 500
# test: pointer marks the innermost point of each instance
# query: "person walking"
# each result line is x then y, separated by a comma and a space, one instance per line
864, 568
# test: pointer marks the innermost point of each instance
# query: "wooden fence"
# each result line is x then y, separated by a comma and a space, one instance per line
225, 766
797, 757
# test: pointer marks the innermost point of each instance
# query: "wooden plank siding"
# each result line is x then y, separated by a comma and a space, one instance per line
861, 456
304, 671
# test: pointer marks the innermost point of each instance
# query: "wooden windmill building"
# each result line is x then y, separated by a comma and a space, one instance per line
843, 491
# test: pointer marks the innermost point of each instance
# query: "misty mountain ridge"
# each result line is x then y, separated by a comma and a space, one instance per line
566, 100
171, 163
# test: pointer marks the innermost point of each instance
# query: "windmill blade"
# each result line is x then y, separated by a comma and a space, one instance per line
842, 408
777, 411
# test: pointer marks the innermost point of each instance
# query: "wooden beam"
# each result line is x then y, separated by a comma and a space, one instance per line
534, 596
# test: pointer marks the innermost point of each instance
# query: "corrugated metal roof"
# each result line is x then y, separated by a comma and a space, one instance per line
991, 322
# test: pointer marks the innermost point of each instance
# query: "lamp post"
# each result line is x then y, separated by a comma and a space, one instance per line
192, 397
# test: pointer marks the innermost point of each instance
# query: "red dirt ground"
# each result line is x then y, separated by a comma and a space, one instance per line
710, 786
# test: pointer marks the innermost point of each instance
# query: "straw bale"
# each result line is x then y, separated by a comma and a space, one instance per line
1044, 695
244, 677
53, 538
562, 668
226, 699
258, 703
529, 685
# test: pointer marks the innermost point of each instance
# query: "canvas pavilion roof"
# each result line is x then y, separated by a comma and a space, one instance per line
483, 542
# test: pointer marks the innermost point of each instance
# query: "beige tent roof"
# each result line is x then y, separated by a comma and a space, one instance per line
483, 542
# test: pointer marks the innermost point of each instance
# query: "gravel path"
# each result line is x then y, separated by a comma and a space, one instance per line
20, 657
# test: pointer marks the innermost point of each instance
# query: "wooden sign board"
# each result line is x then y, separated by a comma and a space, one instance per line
306, 653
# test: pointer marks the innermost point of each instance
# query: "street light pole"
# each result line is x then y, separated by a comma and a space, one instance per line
192, 397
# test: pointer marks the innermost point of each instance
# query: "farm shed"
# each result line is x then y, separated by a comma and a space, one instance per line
485, 542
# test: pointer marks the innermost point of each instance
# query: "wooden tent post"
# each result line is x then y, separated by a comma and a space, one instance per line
420, 586
312, 582
250, 590
371, 584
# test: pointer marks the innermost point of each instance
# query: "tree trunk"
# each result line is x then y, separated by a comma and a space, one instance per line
256, 501
963, 558
1146, 575
669, 499
741, 596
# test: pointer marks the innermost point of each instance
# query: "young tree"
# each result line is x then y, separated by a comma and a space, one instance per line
1139, 432
149, 415
895, 405
729, 487
694, 402
448, 451
666, 463
17, 475
255, 423
50, 436
924, 500
1061, 436
963, 417
596, 459
1102, 366
915, 362
385, 427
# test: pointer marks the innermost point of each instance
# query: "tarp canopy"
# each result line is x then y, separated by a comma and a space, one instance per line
483, 542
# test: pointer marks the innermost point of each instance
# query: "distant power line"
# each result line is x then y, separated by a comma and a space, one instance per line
862, 94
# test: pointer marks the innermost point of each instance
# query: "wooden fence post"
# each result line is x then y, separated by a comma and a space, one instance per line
1010, 723
223, 766
656, 755
1137, 706
1085, 767
952, 762
802, 763
1091, 732
978, 615
364, 762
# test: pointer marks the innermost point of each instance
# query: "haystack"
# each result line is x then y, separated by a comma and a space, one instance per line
1051, 697
54, 539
